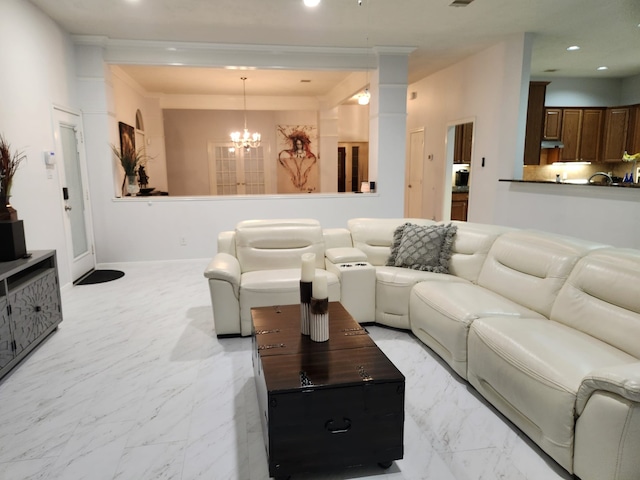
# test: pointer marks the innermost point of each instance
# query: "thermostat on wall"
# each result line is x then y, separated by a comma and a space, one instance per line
49, 158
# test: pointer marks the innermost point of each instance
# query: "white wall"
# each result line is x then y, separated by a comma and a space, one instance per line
353, 123
150, 229
37, 71
630, 91
591, 92
582, 92
487, 88
607, 215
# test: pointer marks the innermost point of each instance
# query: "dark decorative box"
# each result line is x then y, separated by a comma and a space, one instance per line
12, 244
324, 405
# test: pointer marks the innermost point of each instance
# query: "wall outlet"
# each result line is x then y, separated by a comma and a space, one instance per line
183, 241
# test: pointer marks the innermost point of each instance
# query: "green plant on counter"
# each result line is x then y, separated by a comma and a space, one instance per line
9, 163
130, 159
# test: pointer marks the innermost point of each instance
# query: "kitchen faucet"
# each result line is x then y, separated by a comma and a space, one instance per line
609, 180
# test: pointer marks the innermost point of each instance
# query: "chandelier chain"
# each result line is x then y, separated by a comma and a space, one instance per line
245, 140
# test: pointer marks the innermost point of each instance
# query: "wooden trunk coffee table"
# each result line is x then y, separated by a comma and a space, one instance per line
324, 405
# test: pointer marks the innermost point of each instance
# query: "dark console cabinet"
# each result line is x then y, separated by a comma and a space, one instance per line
30, 305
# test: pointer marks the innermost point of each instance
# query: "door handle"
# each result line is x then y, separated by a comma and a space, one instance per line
67, 208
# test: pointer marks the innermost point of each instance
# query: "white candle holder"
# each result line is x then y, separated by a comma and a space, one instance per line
319, 321
305, 306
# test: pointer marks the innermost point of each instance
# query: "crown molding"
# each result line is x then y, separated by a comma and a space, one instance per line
238, 56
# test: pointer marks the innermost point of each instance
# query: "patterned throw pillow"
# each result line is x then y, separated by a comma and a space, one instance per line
426, 248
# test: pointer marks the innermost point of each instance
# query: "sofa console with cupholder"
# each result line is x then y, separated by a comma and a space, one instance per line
545, 327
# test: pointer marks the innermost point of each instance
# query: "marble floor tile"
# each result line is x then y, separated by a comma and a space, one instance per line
135, 385
27, 470
151, 462
92, 453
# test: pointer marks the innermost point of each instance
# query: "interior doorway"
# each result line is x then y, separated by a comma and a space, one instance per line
460, 137
415, 175
72, 171
353, 166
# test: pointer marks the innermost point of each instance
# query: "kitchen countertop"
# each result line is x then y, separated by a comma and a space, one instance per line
573, 183
460, 189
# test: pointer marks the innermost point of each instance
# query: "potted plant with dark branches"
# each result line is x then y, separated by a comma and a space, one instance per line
130, 160
9, 163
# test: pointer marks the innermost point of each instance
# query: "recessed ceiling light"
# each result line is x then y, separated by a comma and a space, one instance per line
311, 3
603, 68
573, 47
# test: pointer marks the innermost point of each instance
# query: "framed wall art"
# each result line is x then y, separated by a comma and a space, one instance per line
297, 147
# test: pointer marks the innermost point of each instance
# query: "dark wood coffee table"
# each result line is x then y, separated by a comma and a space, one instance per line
324, 405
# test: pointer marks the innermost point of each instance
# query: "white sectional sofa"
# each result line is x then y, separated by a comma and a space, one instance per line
545, 327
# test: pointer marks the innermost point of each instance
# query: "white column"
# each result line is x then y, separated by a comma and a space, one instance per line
388, 123
328, 134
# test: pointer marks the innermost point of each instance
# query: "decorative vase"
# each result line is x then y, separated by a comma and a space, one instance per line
319, 321
305, 305
132, 185
7, 212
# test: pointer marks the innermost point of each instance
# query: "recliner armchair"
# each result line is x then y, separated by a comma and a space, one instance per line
259, 264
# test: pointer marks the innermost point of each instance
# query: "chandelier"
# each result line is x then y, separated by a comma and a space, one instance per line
245, 140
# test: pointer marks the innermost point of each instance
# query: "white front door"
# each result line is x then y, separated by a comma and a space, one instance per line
72, 165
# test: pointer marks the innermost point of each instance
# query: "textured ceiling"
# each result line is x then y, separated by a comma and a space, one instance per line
607, 31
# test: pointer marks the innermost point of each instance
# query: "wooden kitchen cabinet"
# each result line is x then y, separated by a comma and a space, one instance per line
535, 122
552, 123
591, 134
633, 135
581, 133
571, 130
459, 206
462, 143
616, 126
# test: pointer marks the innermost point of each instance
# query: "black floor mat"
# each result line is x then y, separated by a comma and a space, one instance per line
99, 276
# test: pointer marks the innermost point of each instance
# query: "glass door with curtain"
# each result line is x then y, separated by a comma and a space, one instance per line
75, 194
